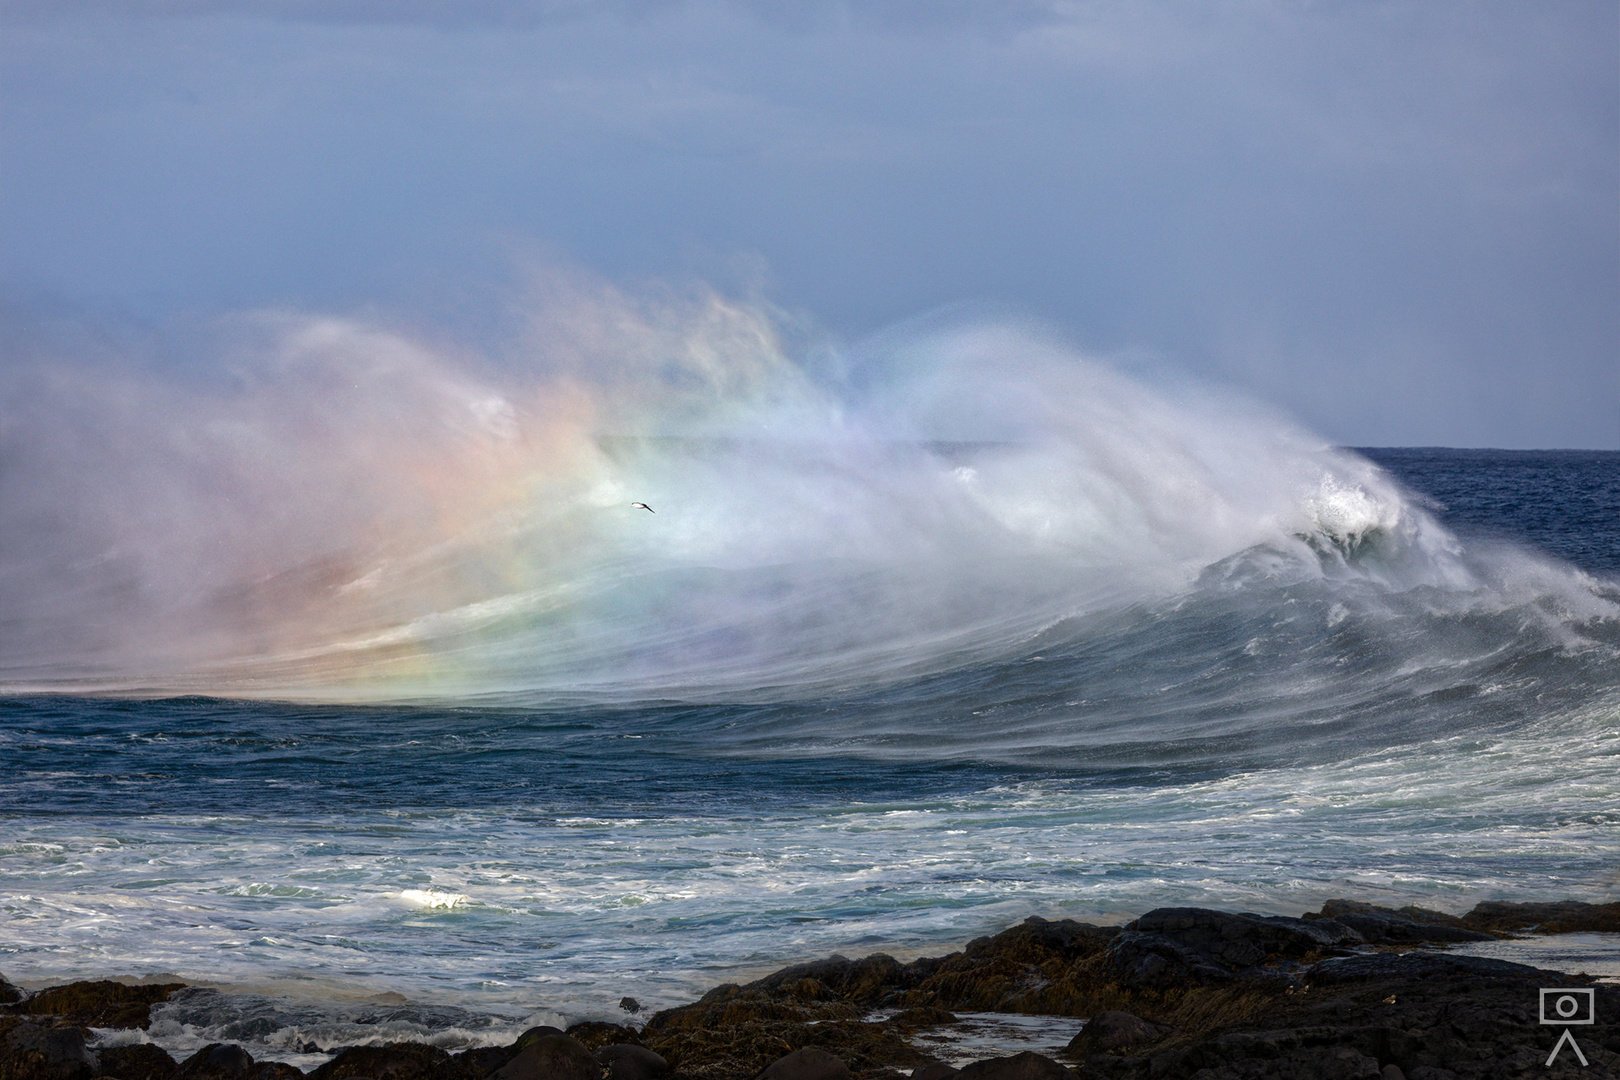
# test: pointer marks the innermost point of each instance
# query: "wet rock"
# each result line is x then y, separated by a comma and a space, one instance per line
30, 1051
922, 1016
1564, 917
394, 1061
1419, 966
1040, 966
838, 978
934, 1070
595, 1034
553, 1057
140, 1061
1291, 1062
483, 1060
1025, 1066
1387, 926
806, 1063
101, 1003
10, 993
630, 1005
1171, 946
1114, 1030
533, 1035
627, 1061
274, 1070
216, 1061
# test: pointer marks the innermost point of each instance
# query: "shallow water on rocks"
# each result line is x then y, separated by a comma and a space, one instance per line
989, 1034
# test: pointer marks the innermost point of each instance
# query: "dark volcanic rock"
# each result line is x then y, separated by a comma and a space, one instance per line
807, 1063
1025, 1066
935, 1070
31, 1052
1170, 946
101, 1003
10, 993
394, 1061
1114, 1030
1430, 1016
141, 1061
627, 1061
595, 1033
273, 1070
216, 1061
1564, 917
865, 981
1386, 926
1038, 966
1420, 966
483, 1060
553, 1057
922, 1016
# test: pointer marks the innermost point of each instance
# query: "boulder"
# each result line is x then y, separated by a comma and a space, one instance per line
935, 1070
483, 1060
533, 1035
100, 1003
216, 1061
1408, 926
1114, 1030
806, 1063
628, 1061
1563, 917
1176, 946
393, 1061
31, 1052
1424, 966
551, 1057
139, 1061
1026, 1066
10, 993
595, 1034
838, 978
274, 1070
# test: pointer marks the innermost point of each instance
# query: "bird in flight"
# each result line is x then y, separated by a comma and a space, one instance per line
643, 506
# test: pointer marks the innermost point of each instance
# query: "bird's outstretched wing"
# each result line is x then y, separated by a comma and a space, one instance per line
643, 506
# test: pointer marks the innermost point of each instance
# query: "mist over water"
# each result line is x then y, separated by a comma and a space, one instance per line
343, 510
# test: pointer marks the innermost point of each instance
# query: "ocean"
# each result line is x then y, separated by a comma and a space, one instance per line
880, 669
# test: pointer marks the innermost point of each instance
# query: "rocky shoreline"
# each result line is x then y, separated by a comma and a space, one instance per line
1350, 992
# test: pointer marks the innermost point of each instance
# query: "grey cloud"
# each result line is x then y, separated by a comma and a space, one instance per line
786, 14
1398, 220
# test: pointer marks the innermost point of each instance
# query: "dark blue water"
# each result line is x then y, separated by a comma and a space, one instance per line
1563, 502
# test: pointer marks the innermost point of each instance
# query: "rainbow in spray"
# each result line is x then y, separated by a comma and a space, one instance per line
348, 511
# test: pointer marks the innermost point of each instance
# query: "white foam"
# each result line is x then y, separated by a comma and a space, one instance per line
433, 898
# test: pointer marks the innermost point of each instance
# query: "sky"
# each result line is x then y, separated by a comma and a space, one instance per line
1399, 222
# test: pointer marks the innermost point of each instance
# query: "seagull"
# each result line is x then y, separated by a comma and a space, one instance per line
643, 506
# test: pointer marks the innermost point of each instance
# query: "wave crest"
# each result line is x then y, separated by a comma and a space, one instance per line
361, 513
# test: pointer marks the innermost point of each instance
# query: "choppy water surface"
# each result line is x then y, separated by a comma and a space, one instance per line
838, 693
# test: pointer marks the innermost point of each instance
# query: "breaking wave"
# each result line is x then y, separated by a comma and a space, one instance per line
961, 517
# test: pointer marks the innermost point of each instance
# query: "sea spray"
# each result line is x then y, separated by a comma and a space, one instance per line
354, 512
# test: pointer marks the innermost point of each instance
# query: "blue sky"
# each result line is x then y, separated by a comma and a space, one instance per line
1398, 221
